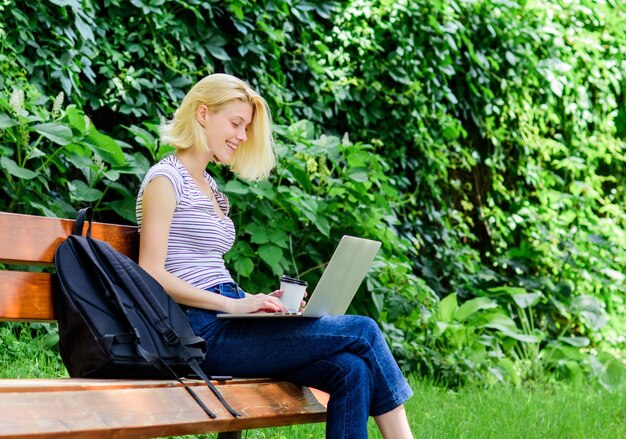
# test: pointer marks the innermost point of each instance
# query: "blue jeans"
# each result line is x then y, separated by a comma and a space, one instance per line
345, 356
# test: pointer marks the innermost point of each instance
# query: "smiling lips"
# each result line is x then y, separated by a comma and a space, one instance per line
231, 145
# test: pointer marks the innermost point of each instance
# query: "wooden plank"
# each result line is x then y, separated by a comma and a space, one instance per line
27, 385
132, 408
33, 239
26, 296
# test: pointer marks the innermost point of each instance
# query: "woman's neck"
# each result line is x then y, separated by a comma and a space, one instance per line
194, 161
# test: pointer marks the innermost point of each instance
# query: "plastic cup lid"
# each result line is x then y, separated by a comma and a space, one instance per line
292, 280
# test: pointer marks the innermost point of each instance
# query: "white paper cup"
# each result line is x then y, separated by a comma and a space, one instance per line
293, 292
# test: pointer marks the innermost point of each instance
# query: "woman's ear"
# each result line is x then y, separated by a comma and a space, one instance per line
201, 113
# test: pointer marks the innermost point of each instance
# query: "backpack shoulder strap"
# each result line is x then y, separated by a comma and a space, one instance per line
85, 213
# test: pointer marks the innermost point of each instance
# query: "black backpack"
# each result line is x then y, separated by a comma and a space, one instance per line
116, 321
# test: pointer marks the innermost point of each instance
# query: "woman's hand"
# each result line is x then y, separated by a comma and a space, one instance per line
279, 293
258, 302
303, 303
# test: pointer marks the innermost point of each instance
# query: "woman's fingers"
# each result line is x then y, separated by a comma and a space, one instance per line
277, 293
261, 302
271, 302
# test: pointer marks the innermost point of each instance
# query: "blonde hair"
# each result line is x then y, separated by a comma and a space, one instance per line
255, 158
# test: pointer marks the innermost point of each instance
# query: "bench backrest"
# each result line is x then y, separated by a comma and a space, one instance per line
27, 243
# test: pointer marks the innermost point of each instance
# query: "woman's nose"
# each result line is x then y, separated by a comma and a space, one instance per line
242, 136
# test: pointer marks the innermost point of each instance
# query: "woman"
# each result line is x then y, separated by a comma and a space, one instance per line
185, 231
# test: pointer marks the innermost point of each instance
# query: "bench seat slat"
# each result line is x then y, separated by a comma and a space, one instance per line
116, 408
25, 385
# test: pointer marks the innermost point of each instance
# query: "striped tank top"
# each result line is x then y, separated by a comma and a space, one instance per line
198, 238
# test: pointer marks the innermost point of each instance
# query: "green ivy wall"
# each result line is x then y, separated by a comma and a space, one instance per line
483, 142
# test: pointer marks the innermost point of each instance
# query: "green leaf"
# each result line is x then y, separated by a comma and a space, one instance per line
595, 321
507, 365
76, 118
322, 224
271, 254
554, 352
59, 134
258, 233
441, 327
457, 334
6, 121
237, 11
279, 237
219, 53
526, 338
43, 209
260, 236
49, 340
507, 290
12, 168
359, 174
500, 322
472, 306
236, 187
106, 147
307, 206
125, 208
303, 128
609, 370
81, 191
587, 303
244, 267
112, 175
75, 4
526, 300
506, 325
579, 342
264, 190
379, 302
300, 176
84, 28
447, 307
36, 152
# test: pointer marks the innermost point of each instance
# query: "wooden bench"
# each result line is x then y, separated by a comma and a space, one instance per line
117, 408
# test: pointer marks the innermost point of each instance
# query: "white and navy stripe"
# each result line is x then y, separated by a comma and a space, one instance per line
198, 237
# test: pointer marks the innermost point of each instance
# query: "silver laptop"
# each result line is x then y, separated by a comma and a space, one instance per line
339, 282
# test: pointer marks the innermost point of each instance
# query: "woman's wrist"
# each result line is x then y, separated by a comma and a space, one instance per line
228, 305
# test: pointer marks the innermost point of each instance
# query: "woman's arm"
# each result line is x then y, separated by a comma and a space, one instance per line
158, 207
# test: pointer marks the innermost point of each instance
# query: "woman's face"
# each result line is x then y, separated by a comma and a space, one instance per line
226, 128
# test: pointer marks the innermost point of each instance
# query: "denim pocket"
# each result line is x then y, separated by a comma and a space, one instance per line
203, 321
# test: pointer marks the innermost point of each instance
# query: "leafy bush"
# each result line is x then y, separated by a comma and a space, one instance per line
54, 159
480, 141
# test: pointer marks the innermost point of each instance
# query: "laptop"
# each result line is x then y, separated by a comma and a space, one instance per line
337, 286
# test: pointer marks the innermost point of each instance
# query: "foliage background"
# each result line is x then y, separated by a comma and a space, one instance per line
482, 141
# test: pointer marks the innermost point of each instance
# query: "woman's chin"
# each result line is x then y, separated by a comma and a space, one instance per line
223, 160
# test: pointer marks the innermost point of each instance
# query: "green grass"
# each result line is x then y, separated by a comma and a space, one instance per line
554, 410
534, 411
39, 366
